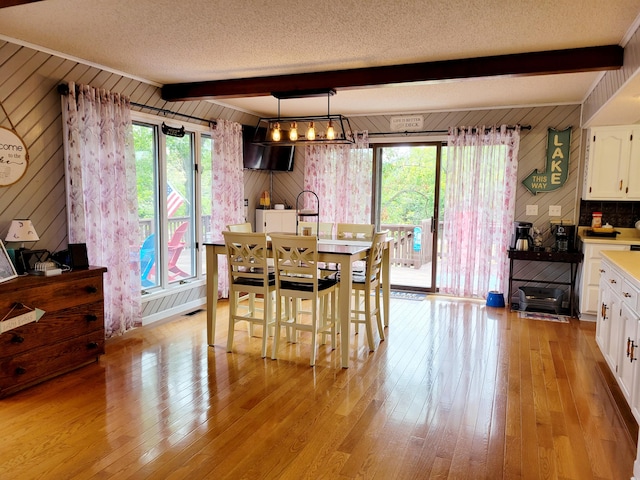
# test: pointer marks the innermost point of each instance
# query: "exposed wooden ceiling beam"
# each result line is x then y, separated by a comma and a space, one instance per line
588, 59
13, 3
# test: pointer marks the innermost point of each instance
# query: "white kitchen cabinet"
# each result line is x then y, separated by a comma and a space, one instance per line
589, 277
628, 352
620, 294
609, 325
612, 169
276, 221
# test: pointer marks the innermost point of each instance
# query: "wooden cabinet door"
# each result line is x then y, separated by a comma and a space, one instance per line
589, 277
632, 187
603, 321
608, 163
616, 347
629, 352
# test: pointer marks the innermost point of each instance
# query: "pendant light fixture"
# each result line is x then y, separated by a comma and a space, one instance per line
332, 129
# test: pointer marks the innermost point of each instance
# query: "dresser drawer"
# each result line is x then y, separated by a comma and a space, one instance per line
36, 365
50, 296
53, 327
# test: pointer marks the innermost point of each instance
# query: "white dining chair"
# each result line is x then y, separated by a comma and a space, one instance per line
369, 284
249, 273
355, 231
249, 298
245, 227
297, 278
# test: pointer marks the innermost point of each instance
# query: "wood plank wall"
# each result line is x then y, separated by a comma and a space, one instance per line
28, 81
613, 80
532, 155
28, 92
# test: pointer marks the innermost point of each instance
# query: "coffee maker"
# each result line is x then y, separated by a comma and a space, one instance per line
522, 239
564, 235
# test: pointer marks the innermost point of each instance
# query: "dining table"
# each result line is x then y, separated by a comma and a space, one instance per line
342, 252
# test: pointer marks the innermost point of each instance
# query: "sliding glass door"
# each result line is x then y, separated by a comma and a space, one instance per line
407, 203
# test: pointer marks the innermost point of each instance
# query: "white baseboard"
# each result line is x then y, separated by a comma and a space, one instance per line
178, 310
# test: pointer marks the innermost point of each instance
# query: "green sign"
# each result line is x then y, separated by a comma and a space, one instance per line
557, 170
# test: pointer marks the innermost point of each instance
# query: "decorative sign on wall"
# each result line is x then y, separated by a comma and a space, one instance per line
172, 131
14, 157
556, 172
413, 123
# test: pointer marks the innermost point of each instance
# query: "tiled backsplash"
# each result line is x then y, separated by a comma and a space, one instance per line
618, 214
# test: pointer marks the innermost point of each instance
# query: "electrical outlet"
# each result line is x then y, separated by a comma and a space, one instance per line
555, 211
532, 209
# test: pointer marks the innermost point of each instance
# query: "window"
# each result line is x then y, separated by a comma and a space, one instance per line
206, 179
167, 176
180, 202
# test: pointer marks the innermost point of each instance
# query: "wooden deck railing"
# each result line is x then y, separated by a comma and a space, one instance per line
147, 228
406, 249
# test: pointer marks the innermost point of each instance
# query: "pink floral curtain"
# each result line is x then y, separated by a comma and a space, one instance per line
481, 168
341, 177
102, 199
227, 195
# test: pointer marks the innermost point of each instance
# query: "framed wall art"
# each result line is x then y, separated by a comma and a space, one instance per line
7, 270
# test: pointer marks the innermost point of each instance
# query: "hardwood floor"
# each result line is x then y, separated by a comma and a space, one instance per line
457, 391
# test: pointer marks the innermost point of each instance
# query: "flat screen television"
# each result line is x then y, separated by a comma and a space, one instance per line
259, 157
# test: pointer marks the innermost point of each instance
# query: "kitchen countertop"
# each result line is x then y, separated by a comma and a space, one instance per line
627, 236
628, 262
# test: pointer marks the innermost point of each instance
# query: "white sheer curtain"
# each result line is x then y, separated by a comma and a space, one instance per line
481, 168
227, 188
102, 199
341, 177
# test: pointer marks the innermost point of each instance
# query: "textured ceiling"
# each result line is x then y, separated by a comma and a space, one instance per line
195, 40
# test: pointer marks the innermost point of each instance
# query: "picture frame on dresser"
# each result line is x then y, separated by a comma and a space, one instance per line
7, 270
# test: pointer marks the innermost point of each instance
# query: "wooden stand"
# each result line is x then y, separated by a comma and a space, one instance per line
572, 258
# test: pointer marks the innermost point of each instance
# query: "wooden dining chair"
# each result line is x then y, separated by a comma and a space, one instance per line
367, 283
250, 298
240, 227
297, 278
249, 273
355, 231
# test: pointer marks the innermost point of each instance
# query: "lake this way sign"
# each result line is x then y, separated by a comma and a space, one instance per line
557, 170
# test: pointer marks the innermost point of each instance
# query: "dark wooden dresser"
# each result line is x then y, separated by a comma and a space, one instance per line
69, 335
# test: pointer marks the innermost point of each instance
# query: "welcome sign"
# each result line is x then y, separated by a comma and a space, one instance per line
556, 171
13, 157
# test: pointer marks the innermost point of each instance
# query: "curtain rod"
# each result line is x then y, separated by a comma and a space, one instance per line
63, 89
437, 132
